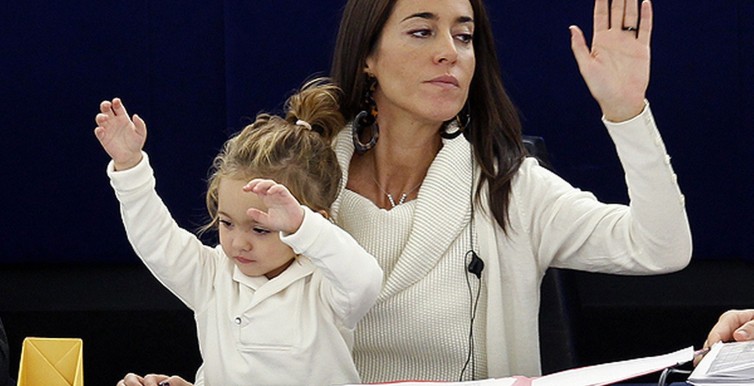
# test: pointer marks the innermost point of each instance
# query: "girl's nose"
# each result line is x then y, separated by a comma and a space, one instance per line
241, 243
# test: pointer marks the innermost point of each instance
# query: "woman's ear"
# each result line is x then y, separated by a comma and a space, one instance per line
367, 70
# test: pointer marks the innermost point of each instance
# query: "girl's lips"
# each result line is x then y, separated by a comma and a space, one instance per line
242, 260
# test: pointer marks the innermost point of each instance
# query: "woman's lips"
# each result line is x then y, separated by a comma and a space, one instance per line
446, 81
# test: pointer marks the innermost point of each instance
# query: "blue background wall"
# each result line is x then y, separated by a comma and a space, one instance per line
198, 71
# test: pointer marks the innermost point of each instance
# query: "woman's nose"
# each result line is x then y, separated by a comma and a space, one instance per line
447, 52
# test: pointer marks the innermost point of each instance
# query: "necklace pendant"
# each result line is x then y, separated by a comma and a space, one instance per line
392, 201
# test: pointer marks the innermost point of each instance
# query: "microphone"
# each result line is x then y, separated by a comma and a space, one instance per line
476, 265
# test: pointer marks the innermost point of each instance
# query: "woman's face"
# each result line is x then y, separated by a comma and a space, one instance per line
424, 60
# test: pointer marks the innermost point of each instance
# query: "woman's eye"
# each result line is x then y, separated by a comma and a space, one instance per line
421, 33
465, 38
225, 223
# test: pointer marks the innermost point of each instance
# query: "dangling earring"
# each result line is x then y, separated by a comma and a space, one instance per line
461, 122
366, 118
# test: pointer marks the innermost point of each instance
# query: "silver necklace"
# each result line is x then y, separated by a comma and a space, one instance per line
390, 196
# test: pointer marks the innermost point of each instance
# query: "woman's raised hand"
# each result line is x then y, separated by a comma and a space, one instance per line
616, 68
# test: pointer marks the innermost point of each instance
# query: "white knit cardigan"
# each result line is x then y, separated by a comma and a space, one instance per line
551, 224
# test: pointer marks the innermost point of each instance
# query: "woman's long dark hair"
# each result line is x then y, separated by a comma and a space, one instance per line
494, 131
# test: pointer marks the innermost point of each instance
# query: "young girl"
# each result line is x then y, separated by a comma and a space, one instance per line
277, 301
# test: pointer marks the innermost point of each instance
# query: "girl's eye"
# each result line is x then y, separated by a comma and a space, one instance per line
260, 231
225, 223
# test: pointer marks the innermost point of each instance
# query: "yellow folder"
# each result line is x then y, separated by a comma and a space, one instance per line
51, 362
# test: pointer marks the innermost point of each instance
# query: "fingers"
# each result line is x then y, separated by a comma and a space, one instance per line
630, 14
283, 211
155, 379
617, 11
622, 14
273, 194
265, 187
106, 107
110, 111
257, 215
113, 108
118, 108
645, 26
131, 379
258, 185
176, 381
601, 16
732, 325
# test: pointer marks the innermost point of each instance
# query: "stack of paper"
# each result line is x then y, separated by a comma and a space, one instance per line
726, 364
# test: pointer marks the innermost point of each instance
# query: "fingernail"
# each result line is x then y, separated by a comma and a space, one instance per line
743, 333
166, 383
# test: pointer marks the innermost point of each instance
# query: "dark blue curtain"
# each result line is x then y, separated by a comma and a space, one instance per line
199, 71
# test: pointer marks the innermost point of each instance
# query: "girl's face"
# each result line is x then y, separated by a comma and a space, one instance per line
424, 60
255, 250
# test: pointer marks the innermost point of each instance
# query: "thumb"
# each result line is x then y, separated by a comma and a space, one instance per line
744, 333
99, 132
141, 126
578, 45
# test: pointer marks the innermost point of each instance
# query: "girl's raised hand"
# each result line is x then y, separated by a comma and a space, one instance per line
284, 213
121, 137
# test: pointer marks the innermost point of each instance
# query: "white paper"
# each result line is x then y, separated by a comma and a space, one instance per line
597, 375
483, 382
613, 372
726, 364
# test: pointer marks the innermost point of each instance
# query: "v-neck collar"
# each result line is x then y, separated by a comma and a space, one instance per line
442, 209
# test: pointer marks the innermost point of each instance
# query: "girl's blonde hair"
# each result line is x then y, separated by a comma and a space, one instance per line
299, 156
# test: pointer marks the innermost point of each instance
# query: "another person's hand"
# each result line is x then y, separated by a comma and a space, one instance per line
616, 68
132, 379
284, 213
733, 325
121, 137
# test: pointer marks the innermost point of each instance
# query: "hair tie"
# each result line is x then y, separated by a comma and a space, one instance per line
304, 123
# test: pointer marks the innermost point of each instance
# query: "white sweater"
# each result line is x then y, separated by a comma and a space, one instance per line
419, 328
296, 328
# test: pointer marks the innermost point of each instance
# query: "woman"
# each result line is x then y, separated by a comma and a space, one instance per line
464, 226
429, 71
